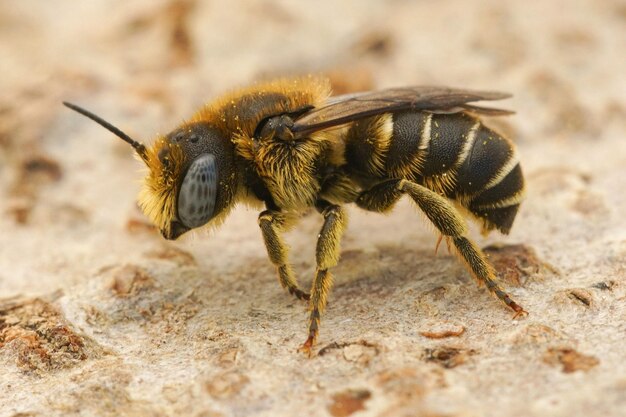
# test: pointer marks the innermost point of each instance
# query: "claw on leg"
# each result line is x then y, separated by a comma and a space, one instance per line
326, 255
519, 310
307, 347
438, 243
270, 223
441, 236
300, 295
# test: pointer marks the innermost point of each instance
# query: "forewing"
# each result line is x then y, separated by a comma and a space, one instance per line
350, 107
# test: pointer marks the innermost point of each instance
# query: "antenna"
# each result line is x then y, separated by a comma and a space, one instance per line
140, 148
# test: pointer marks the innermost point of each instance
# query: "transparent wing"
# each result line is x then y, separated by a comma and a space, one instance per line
347, 108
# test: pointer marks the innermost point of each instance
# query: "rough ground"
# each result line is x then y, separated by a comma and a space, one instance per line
100, 316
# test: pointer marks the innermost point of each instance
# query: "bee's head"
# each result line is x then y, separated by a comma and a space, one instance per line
191, 180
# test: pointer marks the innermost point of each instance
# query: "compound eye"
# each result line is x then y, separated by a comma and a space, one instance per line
198, 193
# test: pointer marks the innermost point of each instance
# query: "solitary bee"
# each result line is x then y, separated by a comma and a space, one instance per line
288, 146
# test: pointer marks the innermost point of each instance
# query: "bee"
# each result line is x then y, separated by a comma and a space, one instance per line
289, 147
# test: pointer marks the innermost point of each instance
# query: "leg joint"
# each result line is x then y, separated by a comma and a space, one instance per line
332, 210
266, 216
401, 185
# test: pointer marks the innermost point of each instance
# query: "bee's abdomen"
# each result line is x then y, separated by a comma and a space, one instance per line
488, 178
445, 144
409, 138
453, 154
498, 205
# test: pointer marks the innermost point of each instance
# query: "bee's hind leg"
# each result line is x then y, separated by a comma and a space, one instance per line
271, 222
326, 255
447, 220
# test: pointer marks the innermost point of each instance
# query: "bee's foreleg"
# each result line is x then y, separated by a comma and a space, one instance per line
271, 223
326, 255
447, 220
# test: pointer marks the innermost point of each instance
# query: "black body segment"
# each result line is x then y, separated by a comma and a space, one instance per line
448, 134
359, 149
488, 154
367, 143
502, 217
507, 188
404, 148
499, 204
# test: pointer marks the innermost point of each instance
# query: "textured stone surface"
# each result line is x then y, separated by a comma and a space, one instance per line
100, 316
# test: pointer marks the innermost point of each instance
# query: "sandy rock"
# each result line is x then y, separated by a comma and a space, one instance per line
99, 316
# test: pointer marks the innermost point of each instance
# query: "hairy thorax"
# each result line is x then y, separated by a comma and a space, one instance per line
290, 171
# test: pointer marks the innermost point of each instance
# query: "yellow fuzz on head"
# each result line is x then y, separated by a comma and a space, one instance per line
158, 197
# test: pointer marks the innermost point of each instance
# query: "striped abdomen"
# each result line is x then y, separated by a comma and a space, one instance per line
453, 154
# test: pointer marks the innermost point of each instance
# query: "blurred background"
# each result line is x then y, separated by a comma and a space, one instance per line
68, 189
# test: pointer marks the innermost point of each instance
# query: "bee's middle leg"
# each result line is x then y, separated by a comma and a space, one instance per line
271, 222
327, 255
